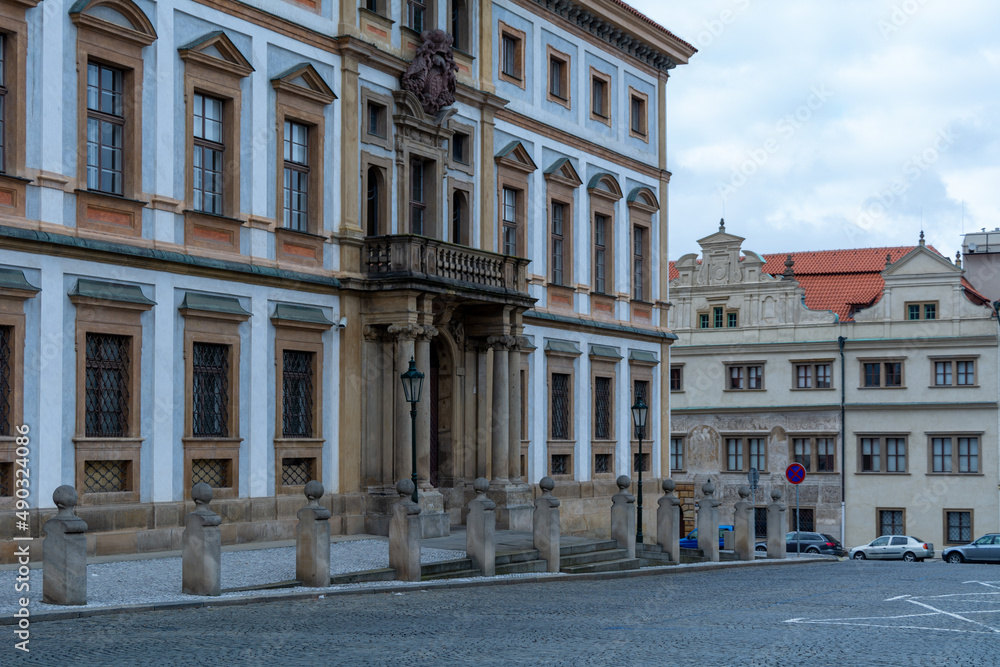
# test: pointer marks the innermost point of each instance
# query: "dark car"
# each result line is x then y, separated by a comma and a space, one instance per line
809, 543
984, 550
691, 541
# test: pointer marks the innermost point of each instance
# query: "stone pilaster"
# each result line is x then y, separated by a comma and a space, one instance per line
514, 405
500, 441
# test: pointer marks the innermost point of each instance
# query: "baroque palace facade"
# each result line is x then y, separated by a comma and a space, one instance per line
875, 368
226, 228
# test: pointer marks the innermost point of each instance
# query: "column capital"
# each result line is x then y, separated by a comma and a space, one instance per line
501, 342
401, 331
429, 331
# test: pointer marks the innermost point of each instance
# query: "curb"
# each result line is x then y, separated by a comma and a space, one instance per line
440, 584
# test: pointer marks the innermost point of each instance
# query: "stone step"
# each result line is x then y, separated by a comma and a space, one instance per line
380, 574
517, 556
523, 567
291, 583
727, 555
648, 548
445, 566
592, 557
452, 574
652, 558
618, 565
692, 559
586, 547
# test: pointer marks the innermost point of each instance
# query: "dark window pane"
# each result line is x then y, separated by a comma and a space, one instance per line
560, 406
106, 386
210, 391
297, 394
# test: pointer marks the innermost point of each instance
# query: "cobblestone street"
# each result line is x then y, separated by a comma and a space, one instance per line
836, 613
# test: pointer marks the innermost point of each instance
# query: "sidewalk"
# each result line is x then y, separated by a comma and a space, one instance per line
147, 582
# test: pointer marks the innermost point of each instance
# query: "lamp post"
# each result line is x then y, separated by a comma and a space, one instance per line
639, 411
413, 380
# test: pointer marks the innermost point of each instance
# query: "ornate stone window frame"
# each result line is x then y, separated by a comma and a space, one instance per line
298, 328
682, 439
518, 76
952, 360
642, 133
370, 99
881, 437
14, 29
642, 206
301, 96
972, 524
565, 79
745, 366
383, 166
14, 291
955, 467
813, 364
882, 361
105, 42
604, 363
680, 378
561, 358
463, 189
597, 76
878, 519
469, 131
561, 183
812, 437
213, 319
604, 193
422, 137
220, 78
642, 366
514, 169
109, 308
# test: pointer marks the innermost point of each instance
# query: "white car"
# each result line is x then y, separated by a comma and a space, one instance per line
894, 547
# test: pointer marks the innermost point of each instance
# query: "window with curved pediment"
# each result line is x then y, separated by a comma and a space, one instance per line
604, 195
642, 206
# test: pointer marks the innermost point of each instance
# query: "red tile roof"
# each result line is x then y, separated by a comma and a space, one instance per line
842, 280
632, 10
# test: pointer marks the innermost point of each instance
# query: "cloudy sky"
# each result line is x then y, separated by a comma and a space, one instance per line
833, 123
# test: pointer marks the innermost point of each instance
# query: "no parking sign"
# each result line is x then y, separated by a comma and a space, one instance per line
795, 473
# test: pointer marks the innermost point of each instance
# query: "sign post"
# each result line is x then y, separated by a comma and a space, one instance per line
795, 473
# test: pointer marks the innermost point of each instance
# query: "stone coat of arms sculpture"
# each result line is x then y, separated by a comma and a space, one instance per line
431, 75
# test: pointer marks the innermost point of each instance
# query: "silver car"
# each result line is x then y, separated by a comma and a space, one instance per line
984, 550
894, 547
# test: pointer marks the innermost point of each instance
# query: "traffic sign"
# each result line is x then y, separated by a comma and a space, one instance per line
795, 473
753, 477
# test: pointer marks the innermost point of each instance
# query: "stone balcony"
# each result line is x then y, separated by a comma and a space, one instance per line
406, 258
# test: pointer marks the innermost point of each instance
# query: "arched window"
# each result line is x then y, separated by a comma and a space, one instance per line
460, 217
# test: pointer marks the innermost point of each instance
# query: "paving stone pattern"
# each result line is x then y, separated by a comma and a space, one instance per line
740, 616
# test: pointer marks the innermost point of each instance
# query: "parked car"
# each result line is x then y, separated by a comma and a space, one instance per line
691, 541
984, 550
809, 543
889, 547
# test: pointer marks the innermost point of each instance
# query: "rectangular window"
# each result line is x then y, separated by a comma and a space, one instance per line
959, 526
871, 455
418, 197
208, 153
597, 100
913, 311
703, 321
416, 10
734, 454
745, 378
732, 320
297, 471
557, 77
106, 399
210, 391
804, 377
6, 378
214, 472
676, 454
600, 96
717, 313
895, 455
760, 521
736, 377
510, 221
600, 250
815, 454
758, 453
560, 406
676, 378
511, 55
105, 128
296, 175
378, 120
921, 311
968, 455
955, 454
882, 374
638, 115
885, 454
890, 522
602, 464
638, 260
755, 377
893, 374
106, 476
640, 389
561, 464
954, 372
941, 454
803, 452
873, 375
602, 408
812, 376
558, 253
460, 147
297, 391
803, 520
822, 376
640, 462
825, 455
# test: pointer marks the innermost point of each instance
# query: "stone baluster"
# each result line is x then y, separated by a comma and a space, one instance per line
404, 534
668, 519
623, 516
481, 526
776, 526
708, 523
202, 546
312, 539
545, 525
65, 547
743, 525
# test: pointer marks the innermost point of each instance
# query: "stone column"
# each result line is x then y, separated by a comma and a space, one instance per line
501, 410
623, 516
202, 546
422, 346
405, 335
312, 539
64, 569
481, 526
708, 523
668, 519
514, 406
545, 525
404, 534
775, 526
743, 526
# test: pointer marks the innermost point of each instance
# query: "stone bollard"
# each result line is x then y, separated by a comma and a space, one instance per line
775, 526
708, 523
405, 529
64, 570
202, 546
668, 519
623, 516
312, 539
481, 529
743, 526
545, 525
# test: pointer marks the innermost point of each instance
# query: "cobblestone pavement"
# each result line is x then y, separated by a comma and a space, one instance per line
837, 613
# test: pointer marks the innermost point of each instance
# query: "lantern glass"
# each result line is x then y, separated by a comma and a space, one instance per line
413, 381
639, 412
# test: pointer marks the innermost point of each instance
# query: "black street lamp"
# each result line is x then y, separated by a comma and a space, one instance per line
413, 380
639, 411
